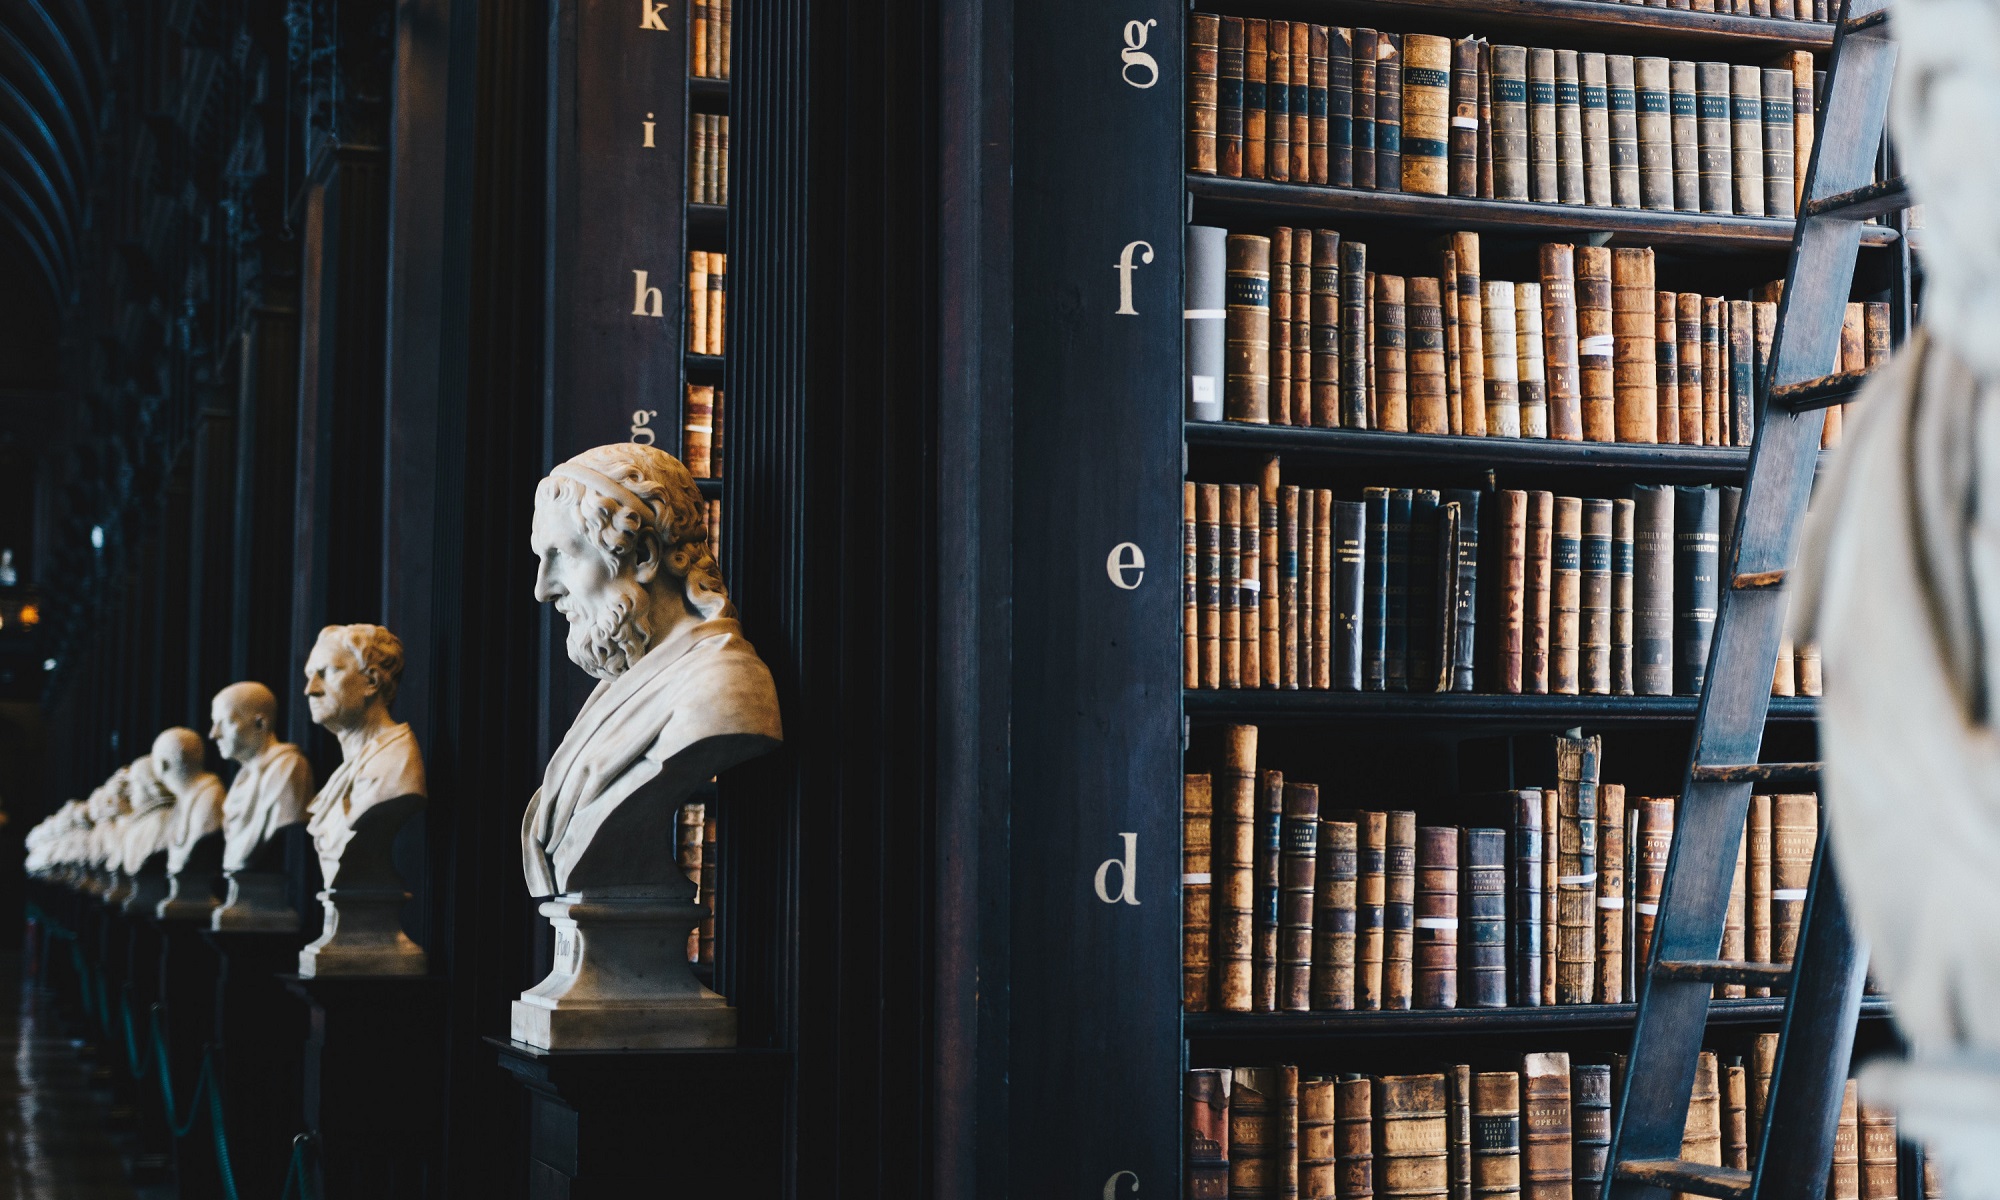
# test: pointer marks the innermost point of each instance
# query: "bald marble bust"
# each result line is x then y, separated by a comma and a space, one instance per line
177, 763
148, 822
351, 679
274, 781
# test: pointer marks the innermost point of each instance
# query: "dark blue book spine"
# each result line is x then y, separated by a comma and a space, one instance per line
1350, 558
1375, 567
1697, 542
1465, 594
1396, 661
1422, 622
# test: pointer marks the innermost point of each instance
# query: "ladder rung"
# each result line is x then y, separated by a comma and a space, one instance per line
1723, 1183
1824, 392
1865, 21
1715, 970
1799, 772
1752, 580
1874, 200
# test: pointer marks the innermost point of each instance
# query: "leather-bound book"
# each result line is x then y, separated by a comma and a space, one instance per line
1229, 98
1513, 526
1389, 112
1257, 1138
1281, 325
1426, 141
1566, 596
1230, 525
1485, 120
1524, 900
1701, 1139
1340, 106
1318, 163
1799, 63
1353, 334
698, 427
1534, 384
1397, 592
1264, 930
1197, 919
1458, 1131
1278, 105
1569, 129
1428, 595
1190, 589
1411, 1144
1763, 1065
1204, 48
1697, 545
1688, 367
1302, 322
1611, 893
1322, 589
1715, 371
1596, 598
1651, 91
1399, 903
1208, 530
1442, 632
1559, 332
1246, 391
1653, 590
1576, 868
1333, 917
1465, 593
1621, 597
1291, 615
1733, 949
1354, 1136
1207, 299
1596, 130
1482, 902
1875, 333
1349, 594
1595, 344
1656, 842
1551, 821
1270, 627
1463, 151
1878, 1153
1780, 193
1391, 355
1622, 104
1714, 158
1542, 126
1256, 98
1436, 918
1298, 857
1448, 296
1503, 376
1757, 885
1496, 1135
1370, 895
697, 306
1471, 332
1428, 398
1319, 1147
1809, 669
1205, 1098
1323, 342
1538, 644
692, 830
1301, 102
1933, 1182
1546, 1172
1844, 1181
1853, 357
1736, 1119
1667, 366
1366, 42
1746, 136
1375, 593
1234, 859
1685, 124
1794, 834
1634, 326
1590, 1125
1510, 122
1250, 584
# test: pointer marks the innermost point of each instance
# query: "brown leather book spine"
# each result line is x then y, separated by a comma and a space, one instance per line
1319, 1144
1594, 598
1277, 104
1246, 388
1229, 109
1853, 348
1875, 333
1208, 522
1539, 594
1595, 343
1354, 1137
1503, 357
1808, 668
1264, 951
1757, 886
698, 428
1323, 588
1333, 917
1458, 1131
1735, 1118
1371, 894
1550, 820
1288, 1127
1391, 356
1318, 76
697, 306
1197, 917
1289, 554
1764, 330
1325, 338
710, 893
1496, 1135
1844, 1181
1878, 1153
1308, 594
1250, 585
1389, 111
1448, 304
1566, 596
1559, 344
1369, 333
1267, 572
1230, 527
1656, 841
1611, 893
1667, 365
1367, 53
1513, 588
1688, 367
1298, 857
1429, 398
1623, 516
1205, 1096
1576, 868
1256, 92
1701, 1138
1933, 1182
1399, 901
1533, 369
1794, 834
1733, 949
1256, 1130
1633, 326
1281, 325
693, 828
1471, 333
1190, 587
1463, 151
1302, 326
1436, 917
1763, 1066
1204, 45
1545, 1127
1353, 335
1412, 1148
1714, 373
1426, 136
1485, 120
1301, 85
1233, 850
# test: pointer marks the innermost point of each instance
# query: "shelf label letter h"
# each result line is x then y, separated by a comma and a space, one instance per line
1127, 863
646, 301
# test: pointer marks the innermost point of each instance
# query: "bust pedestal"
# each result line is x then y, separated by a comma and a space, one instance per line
259, 1033
363, 934
373, 1074
620, 979
258, 902
191, 890
149, 887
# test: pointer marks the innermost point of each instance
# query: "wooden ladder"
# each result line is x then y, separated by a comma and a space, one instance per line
1823, 984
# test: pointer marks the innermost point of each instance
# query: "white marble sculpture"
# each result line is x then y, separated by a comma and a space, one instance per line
351, 679
104, 847
143, 838
624, 553
194, 839
1901, 579
269, 794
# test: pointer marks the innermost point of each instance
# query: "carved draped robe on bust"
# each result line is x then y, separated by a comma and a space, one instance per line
704, 690
144, 832
268, 793
388, 767
196, 815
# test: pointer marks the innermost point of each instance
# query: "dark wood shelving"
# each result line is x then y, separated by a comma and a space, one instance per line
1602, 24
707, 220
701, 88
1462, 709
704, 364
711, 489
1224, 201
1468, 1022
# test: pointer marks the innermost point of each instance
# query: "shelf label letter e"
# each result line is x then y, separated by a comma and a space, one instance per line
1125, 266
649, 15
1126, 863
1134, 55
1124, 557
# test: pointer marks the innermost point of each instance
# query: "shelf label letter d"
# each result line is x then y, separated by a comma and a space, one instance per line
1126, 863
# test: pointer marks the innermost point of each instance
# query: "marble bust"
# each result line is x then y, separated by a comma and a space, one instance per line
351, 678
143, 836
194, 842
622, 542
269, 794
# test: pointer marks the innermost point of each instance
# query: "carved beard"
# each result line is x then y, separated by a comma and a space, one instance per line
608, 640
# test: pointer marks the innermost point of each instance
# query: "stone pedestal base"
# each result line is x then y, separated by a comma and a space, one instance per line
621, 981
148, 889
114, 889
373, 1083
190, 897
257, 903
363, 935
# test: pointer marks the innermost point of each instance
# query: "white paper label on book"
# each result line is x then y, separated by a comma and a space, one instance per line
1465, 122
1611, 902
1598, 346
1577, 880
1195, 877
1647, 907
1437, 922
1788, 893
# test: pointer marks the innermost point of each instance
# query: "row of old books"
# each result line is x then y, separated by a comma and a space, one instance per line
708, 38
1539, 1129
1297, 327
708, 285
708, 159
1543, 896
701, 431
1457, 590
1351, 107
695, 848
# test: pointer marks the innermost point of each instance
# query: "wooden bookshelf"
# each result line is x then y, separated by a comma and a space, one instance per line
1459, 710
1584, 24
1302, 1028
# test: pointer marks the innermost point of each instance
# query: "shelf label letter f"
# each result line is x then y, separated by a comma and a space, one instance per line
1125, 267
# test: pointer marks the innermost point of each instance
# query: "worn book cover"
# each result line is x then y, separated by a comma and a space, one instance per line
1298, 858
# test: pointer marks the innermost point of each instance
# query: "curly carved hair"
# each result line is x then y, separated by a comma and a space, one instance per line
376, 651
675, 518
